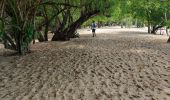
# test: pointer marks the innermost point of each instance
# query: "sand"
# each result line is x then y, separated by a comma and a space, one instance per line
118, 64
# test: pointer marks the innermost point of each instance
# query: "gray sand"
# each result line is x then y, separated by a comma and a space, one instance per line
118, 64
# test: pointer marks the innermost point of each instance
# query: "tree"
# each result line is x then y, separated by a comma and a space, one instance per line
151, 11
68, 22
18, 19
17, 24
168, 17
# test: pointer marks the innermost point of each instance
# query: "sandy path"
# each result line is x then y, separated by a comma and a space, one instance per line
118, 64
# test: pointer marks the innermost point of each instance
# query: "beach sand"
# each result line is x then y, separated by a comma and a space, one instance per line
118, 64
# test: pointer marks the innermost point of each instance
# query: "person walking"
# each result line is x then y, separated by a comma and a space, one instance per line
93, 27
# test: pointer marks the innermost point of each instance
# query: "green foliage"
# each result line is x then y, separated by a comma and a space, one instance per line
18, 24
24, 19
29, 33
150, 11
168, 23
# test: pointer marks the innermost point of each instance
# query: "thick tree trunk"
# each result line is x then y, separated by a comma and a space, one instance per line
155, 29
71, 29
60, 37
60, 34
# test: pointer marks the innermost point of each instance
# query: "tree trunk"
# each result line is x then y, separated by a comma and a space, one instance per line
60, 37
168, 40
166, 19
155, 29
149, 23
22, 48
60, 34
149, 27
18, 44
71, 29
121, 26
136, 23
46, 23
46, 31
167, 31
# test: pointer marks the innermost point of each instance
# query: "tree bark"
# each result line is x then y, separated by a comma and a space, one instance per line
46, 30
155, 29
149, 23
168, 40
149, 27
167, 31
71, 29
18, 44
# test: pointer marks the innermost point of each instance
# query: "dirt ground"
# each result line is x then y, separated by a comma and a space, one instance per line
118, 64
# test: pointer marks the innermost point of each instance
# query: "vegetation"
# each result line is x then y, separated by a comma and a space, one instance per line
23, 21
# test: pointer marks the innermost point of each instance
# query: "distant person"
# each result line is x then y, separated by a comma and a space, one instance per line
93, 27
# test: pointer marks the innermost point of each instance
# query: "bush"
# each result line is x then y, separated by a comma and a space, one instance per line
168, 23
